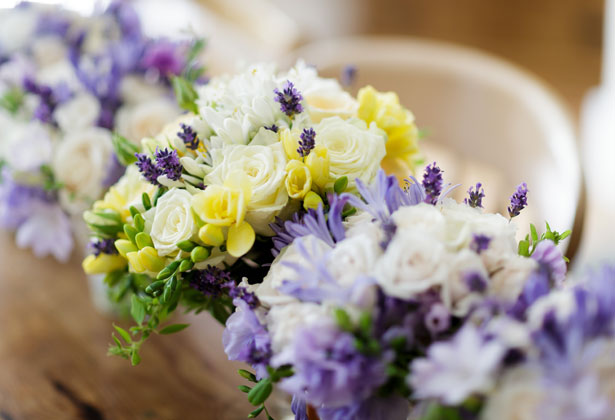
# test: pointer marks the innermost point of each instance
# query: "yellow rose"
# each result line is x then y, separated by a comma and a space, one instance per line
103, 263
385, 110
298, 179
318, 164
127, 192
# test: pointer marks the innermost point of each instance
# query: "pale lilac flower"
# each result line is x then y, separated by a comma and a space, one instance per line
46, 231
548, 254
456, 369
164, 56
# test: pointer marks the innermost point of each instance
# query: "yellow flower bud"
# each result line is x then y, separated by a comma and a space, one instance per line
240, 239
298, 179
385, 110
103, 263
223, 205
124, 246
312, 200
146, 259
211, 235
290, 141
318, 163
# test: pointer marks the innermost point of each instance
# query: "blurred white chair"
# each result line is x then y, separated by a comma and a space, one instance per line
488, 121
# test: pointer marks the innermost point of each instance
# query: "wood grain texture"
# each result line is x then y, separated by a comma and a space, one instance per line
53, 362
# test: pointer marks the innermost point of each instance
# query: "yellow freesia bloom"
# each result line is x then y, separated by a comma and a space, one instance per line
385, 110
103, 263
318, 163
125, 193
298, 179
146, 259
290, 141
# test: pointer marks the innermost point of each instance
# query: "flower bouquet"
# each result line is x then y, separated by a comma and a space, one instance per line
67, 82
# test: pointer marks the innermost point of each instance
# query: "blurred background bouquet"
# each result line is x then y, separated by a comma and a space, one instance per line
67, 82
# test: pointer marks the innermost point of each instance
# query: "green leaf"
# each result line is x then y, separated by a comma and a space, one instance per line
261, 391
185, 94
12, 100
439, 412
123, 333
365, 322
565, 235
534, 233
147, 203
247, 375
244, 388
137, 309
172, 329
340, 184
124, 149
343, 319
256, 412
135, 359
524, 248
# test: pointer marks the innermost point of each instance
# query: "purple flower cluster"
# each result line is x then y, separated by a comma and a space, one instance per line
475, 196
103, 246
47, 100
189, 137
167, 163
518, 200
307, 142
164, 56
479, 243
432, 183
216, 282
289, 99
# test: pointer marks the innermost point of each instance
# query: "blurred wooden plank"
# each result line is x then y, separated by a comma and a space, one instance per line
54, 364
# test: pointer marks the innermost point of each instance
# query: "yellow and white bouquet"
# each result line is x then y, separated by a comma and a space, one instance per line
196, 212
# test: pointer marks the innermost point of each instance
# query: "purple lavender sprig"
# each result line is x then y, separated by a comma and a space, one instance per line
147, 168
189, 137
432, 183
216, 282
289, 99
103, 246
475, 197
518, 201
307, 142
168, 163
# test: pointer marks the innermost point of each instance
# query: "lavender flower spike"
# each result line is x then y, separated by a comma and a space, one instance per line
289, 99
189, 137
147, 168
518, 200
307, 142
475, 198
103, 246
168, 163
432, 182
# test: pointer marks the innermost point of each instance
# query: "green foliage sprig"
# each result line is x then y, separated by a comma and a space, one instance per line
527, 246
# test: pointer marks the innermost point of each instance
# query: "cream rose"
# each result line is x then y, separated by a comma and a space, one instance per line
49, 50
78, 113
80, 163
354, 149
264, 167
146, 119
27, 147
328, 99
171, 221
507, 283
135, 90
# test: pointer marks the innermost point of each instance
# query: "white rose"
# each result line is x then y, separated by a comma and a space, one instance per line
363, 223
413, 262
455, 292
78, 113
136, 89
507, 283
61, 71
423, 217
354, 149
264, 167
353, 257
171, 221
517, 397
81, 162
49, 50
27, 147
145, 119
279, 272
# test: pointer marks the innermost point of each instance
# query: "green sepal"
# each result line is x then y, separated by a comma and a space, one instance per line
142, 240
168, 271
185, 265
186, 245
130, 232
157, 285
199, 254
139, 222
340, 184
147, 203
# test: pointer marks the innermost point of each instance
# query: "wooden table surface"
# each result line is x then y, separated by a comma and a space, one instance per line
53, 362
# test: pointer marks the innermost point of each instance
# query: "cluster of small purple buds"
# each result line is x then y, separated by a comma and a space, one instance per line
289, 99
103, 246
432, 183
475, 196
215, 282
518, 200
167, 163
189, 137
307, 142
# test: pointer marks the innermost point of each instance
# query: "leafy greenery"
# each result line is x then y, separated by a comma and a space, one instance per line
124, 149
185, 94
12, 100
527, 246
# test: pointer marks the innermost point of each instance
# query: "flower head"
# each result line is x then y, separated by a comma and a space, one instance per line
103, 246
518, 200
164, 56
289, 99
432, 183
476, 196
189, 137
168, 163
548, 254
147, 168
307, 142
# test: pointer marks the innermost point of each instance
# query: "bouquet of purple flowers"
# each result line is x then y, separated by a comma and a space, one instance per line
67, 82
402, 303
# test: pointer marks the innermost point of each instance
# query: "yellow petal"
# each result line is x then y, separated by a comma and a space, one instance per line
150, 259
124, 246
240, 239
211, 235
103, 264
135, 262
